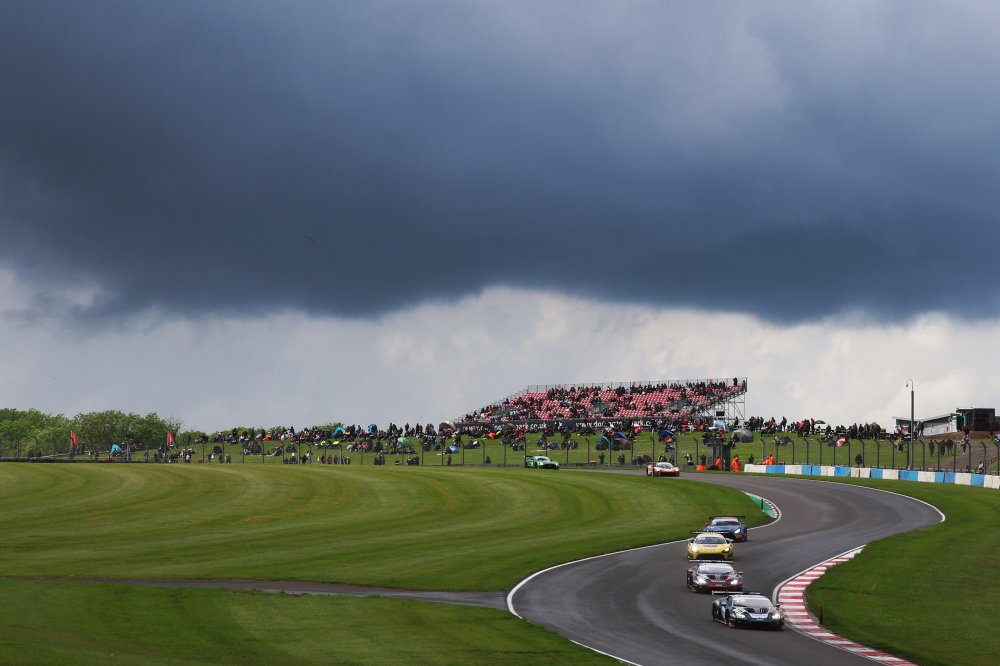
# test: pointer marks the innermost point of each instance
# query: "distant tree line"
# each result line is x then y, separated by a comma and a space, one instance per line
31, 433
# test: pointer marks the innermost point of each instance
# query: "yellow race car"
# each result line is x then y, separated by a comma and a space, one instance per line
709, 546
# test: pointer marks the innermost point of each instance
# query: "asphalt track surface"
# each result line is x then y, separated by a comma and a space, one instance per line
636, 607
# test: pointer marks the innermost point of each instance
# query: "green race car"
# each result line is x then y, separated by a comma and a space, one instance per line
540, 462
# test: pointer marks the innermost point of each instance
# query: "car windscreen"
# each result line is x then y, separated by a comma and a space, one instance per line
709, 540
715, 569
752, 602
725, 522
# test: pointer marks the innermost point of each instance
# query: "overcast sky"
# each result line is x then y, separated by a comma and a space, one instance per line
297, 212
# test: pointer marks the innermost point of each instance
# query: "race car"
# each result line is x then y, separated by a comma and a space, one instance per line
747, 609
540, 462
709, 546
731, 527
714, 576
662, 469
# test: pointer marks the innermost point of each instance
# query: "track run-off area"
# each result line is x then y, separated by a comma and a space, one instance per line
634, 605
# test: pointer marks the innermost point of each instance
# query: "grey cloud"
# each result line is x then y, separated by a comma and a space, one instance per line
355, 158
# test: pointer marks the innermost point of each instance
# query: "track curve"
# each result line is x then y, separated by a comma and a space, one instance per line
634, 605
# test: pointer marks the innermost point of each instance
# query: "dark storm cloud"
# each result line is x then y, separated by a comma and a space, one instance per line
354, 158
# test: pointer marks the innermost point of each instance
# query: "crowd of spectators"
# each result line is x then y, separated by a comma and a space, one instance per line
811, 426
282, 440
665, 400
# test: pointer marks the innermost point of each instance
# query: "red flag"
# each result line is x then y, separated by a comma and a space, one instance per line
72, 436
170, 437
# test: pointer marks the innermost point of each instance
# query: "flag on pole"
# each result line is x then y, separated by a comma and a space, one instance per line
170, 437
72, 437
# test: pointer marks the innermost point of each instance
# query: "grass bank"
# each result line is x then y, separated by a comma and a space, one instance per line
417, 528
77, 623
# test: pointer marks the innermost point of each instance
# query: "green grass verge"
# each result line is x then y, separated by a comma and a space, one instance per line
926, 595
78, 623
418, 528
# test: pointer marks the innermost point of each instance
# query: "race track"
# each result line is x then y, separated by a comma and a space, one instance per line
635, 605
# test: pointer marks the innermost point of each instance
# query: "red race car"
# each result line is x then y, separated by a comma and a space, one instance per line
662, 469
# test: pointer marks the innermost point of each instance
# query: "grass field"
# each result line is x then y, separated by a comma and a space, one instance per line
79, 623
419, 528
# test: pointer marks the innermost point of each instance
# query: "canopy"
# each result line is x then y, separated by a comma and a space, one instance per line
403, 441
452, 449
445, 425
372, 428
115, 448
743, 436
338, 432
604, 439
664, 433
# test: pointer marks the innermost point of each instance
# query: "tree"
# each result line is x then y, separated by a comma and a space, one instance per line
97, 431
14, 430
52, 434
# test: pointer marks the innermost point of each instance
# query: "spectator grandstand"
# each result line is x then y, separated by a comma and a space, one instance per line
670, 400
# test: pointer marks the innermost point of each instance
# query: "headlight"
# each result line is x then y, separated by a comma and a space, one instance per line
726, 549
739, 612
700, 579
694, 549
776, 615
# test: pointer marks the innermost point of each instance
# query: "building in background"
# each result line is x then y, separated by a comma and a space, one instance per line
979, 419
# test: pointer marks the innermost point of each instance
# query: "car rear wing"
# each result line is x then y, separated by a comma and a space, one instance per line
741, 517
707, 533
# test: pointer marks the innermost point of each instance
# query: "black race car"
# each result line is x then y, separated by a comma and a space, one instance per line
714, 576
747, 609
731, 527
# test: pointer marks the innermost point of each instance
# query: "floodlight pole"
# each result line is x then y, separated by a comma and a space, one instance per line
913, 433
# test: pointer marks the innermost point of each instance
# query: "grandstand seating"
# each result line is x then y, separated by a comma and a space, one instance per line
669, 400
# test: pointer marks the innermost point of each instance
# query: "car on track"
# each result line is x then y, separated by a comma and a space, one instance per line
731, 527
662, 469
540, 462
709, 546
714, 576
748, 609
